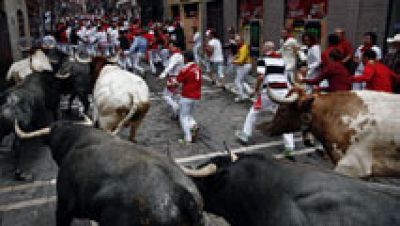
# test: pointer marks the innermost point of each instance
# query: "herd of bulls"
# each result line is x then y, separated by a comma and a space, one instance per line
114, 182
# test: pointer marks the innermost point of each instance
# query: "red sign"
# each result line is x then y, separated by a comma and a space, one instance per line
300, 9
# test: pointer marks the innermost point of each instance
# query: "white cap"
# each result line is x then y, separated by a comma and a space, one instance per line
396, 38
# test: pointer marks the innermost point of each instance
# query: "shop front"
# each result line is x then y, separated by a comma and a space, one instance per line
307, 16
250, 18
187, 12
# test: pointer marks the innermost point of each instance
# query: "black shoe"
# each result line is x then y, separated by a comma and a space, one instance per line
309, 143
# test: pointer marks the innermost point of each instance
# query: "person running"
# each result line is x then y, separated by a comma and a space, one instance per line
137, 51
339, 78
190, 78
216, 58
196, 45
175, 64
271, 70
242, 61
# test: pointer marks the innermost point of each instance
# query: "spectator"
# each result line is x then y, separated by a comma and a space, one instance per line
392, 59
369, 43
377, 76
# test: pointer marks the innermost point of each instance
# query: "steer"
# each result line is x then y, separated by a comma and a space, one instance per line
78, 80
359, 129
34, 102
121, 98
114, 182
36, 62
258, 191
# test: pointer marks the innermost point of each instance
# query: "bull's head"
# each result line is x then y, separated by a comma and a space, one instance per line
293, 113
56, 57
12, 108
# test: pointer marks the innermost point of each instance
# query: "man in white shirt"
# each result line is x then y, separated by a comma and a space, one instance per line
216, 57
175, 64
196, 45
290, 50
271, 70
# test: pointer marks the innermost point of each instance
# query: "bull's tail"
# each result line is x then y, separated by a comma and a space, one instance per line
130, 114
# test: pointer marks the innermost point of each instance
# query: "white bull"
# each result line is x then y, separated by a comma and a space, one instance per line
37, 62
121, 99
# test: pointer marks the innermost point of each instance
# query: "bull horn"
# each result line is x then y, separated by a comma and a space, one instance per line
282, 100
205, 171
80, 60
86, 121
233, 156
29, 135
63, 76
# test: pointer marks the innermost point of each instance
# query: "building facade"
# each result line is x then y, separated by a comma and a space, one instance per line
14, 31
260, 20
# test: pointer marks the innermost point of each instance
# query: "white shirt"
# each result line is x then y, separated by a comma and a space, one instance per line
217, 55
358, 54
175, 64
113, 33
197, 40
288, 55
313, 61
102, 36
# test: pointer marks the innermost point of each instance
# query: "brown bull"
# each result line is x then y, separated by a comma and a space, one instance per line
360, 130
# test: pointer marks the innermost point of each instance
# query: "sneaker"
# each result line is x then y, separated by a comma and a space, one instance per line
239, 99
195, 131
184, 142
243, 138
288, 153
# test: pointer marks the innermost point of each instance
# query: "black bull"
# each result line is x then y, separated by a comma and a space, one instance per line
257, 190
34, 104
112, 181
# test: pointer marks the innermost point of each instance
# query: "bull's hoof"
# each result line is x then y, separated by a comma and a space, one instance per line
20, 175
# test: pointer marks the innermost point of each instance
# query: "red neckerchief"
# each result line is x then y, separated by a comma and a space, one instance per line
175, 51
273, 54
289, 36
366, 47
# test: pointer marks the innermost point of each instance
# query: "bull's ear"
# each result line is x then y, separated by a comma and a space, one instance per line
305, 104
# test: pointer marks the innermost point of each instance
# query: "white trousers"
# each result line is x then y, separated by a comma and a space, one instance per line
186, 119
267, 105
152, 60
241, 72
196, 54
169, 98
136, 57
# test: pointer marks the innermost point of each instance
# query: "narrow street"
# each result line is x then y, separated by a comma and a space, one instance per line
218, 115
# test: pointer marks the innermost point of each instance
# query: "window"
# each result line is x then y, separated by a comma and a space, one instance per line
21, 23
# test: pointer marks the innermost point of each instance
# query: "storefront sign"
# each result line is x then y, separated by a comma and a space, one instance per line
312, 9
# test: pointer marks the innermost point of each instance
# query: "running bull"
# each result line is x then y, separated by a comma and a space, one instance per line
121, 98
360, 130
114, 182
34, 103
258, 191
36, 62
